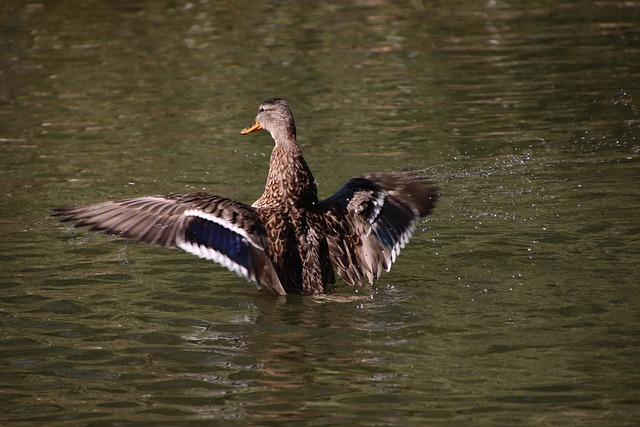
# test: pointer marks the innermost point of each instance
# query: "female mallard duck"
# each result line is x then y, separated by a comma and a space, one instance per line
288, 240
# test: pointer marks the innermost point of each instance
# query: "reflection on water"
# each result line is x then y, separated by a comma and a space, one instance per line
516, 303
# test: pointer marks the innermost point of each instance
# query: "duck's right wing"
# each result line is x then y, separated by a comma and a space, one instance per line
372, 218
216, 228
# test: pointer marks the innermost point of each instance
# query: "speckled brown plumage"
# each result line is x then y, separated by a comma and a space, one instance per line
288, 240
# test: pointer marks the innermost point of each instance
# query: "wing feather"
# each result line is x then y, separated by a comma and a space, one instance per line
374, 217
216, 228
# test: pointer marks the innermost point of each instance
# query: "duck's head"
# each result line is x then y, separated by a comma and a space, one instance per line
275, 117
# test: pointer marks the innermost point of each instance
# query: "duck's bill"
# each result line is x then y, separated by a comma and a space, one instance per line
248, 129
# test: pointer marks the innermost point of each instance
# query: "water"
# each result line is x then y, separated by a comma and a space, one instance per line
516, 303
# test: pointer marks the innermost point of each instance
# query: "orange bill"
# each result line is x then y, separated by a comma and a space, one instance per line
254, 126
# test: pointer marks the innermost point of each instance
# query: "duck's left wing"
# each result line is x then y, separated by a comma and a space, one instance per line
212, 227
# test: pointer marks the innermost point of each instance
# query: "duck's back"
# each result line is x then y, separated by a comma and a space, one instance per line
299, 250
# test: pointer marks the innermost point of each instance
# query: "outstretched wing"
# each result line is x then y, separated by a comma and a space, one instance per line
227, 232
374, 217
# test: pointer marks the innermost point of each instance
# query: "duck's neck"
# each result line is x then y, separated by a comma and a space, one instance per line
290, 183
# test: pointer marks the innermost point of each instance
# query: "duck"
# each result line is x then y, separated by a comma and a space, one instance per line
289, 240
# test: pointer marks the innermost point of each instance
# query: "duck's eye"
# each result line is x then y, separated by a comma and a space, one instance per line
261, 110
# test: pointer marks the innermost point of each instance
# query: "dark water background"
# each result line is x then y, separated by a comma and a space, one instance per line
516, 303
